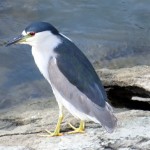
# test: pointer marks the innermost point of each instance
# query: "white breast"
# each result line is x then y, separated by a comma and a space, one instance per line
43, 50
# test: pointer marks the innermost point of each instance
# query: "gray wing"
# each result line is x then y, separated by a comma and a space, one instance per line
78, 70
78, 99
75, 78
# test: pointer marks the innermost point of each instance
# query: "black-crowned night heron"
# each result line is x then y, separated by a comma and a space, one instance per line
73, 79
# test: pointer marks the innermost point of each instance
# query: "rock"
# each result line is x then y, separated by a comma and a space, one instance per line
128, 85
21, 126
13, 148
137, 76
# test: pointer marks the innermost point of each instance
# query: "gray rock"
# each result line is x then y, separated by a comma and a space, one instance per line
14, 148
22, 126
128, 84
138, 76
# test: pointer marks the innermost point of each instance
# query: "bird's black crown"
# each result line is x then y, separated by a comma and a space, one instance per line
40, 27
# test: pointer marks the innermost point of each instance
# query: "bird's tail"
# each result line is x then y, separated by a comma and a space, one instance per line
105, 117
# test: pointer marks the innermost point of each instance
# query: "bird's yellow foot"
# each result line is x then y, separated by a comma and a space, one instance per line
77, 130
57, 129
55, 133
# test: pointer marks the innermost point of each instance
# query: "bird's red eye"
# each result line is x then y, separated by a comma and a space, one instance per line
32, 33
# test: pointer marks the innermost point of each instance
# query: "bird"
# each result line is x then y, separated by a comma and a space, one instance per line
73, 79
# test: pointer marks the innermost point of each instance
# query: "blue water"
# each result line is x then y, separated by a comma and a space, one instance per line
112, 34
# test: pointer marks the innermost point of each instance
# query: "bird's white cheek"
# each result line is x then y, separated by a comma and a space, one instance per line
31, 41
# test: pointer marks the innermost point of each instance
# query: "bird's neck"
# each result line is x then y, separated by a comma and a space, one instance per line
43, 52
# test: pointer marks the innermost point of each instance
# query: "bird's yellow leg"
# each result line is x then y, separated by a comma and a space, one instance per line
58, 126
57, 129
78, 130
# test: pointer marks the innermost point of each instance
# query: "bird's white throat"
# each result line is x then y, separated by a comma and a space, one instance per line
43, 50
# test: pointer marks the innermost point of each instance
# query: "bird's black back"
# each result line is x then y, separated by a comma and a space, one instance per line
79, 71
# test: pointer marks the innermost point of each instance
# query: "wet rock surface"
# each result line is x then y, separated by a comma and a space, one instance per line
21, 126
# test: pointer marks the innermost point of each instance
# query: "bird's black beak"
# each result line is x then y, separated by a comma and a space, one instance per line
19, 39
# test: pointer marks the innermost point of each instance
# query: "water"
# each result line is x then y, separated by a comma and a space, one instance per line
112, 34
